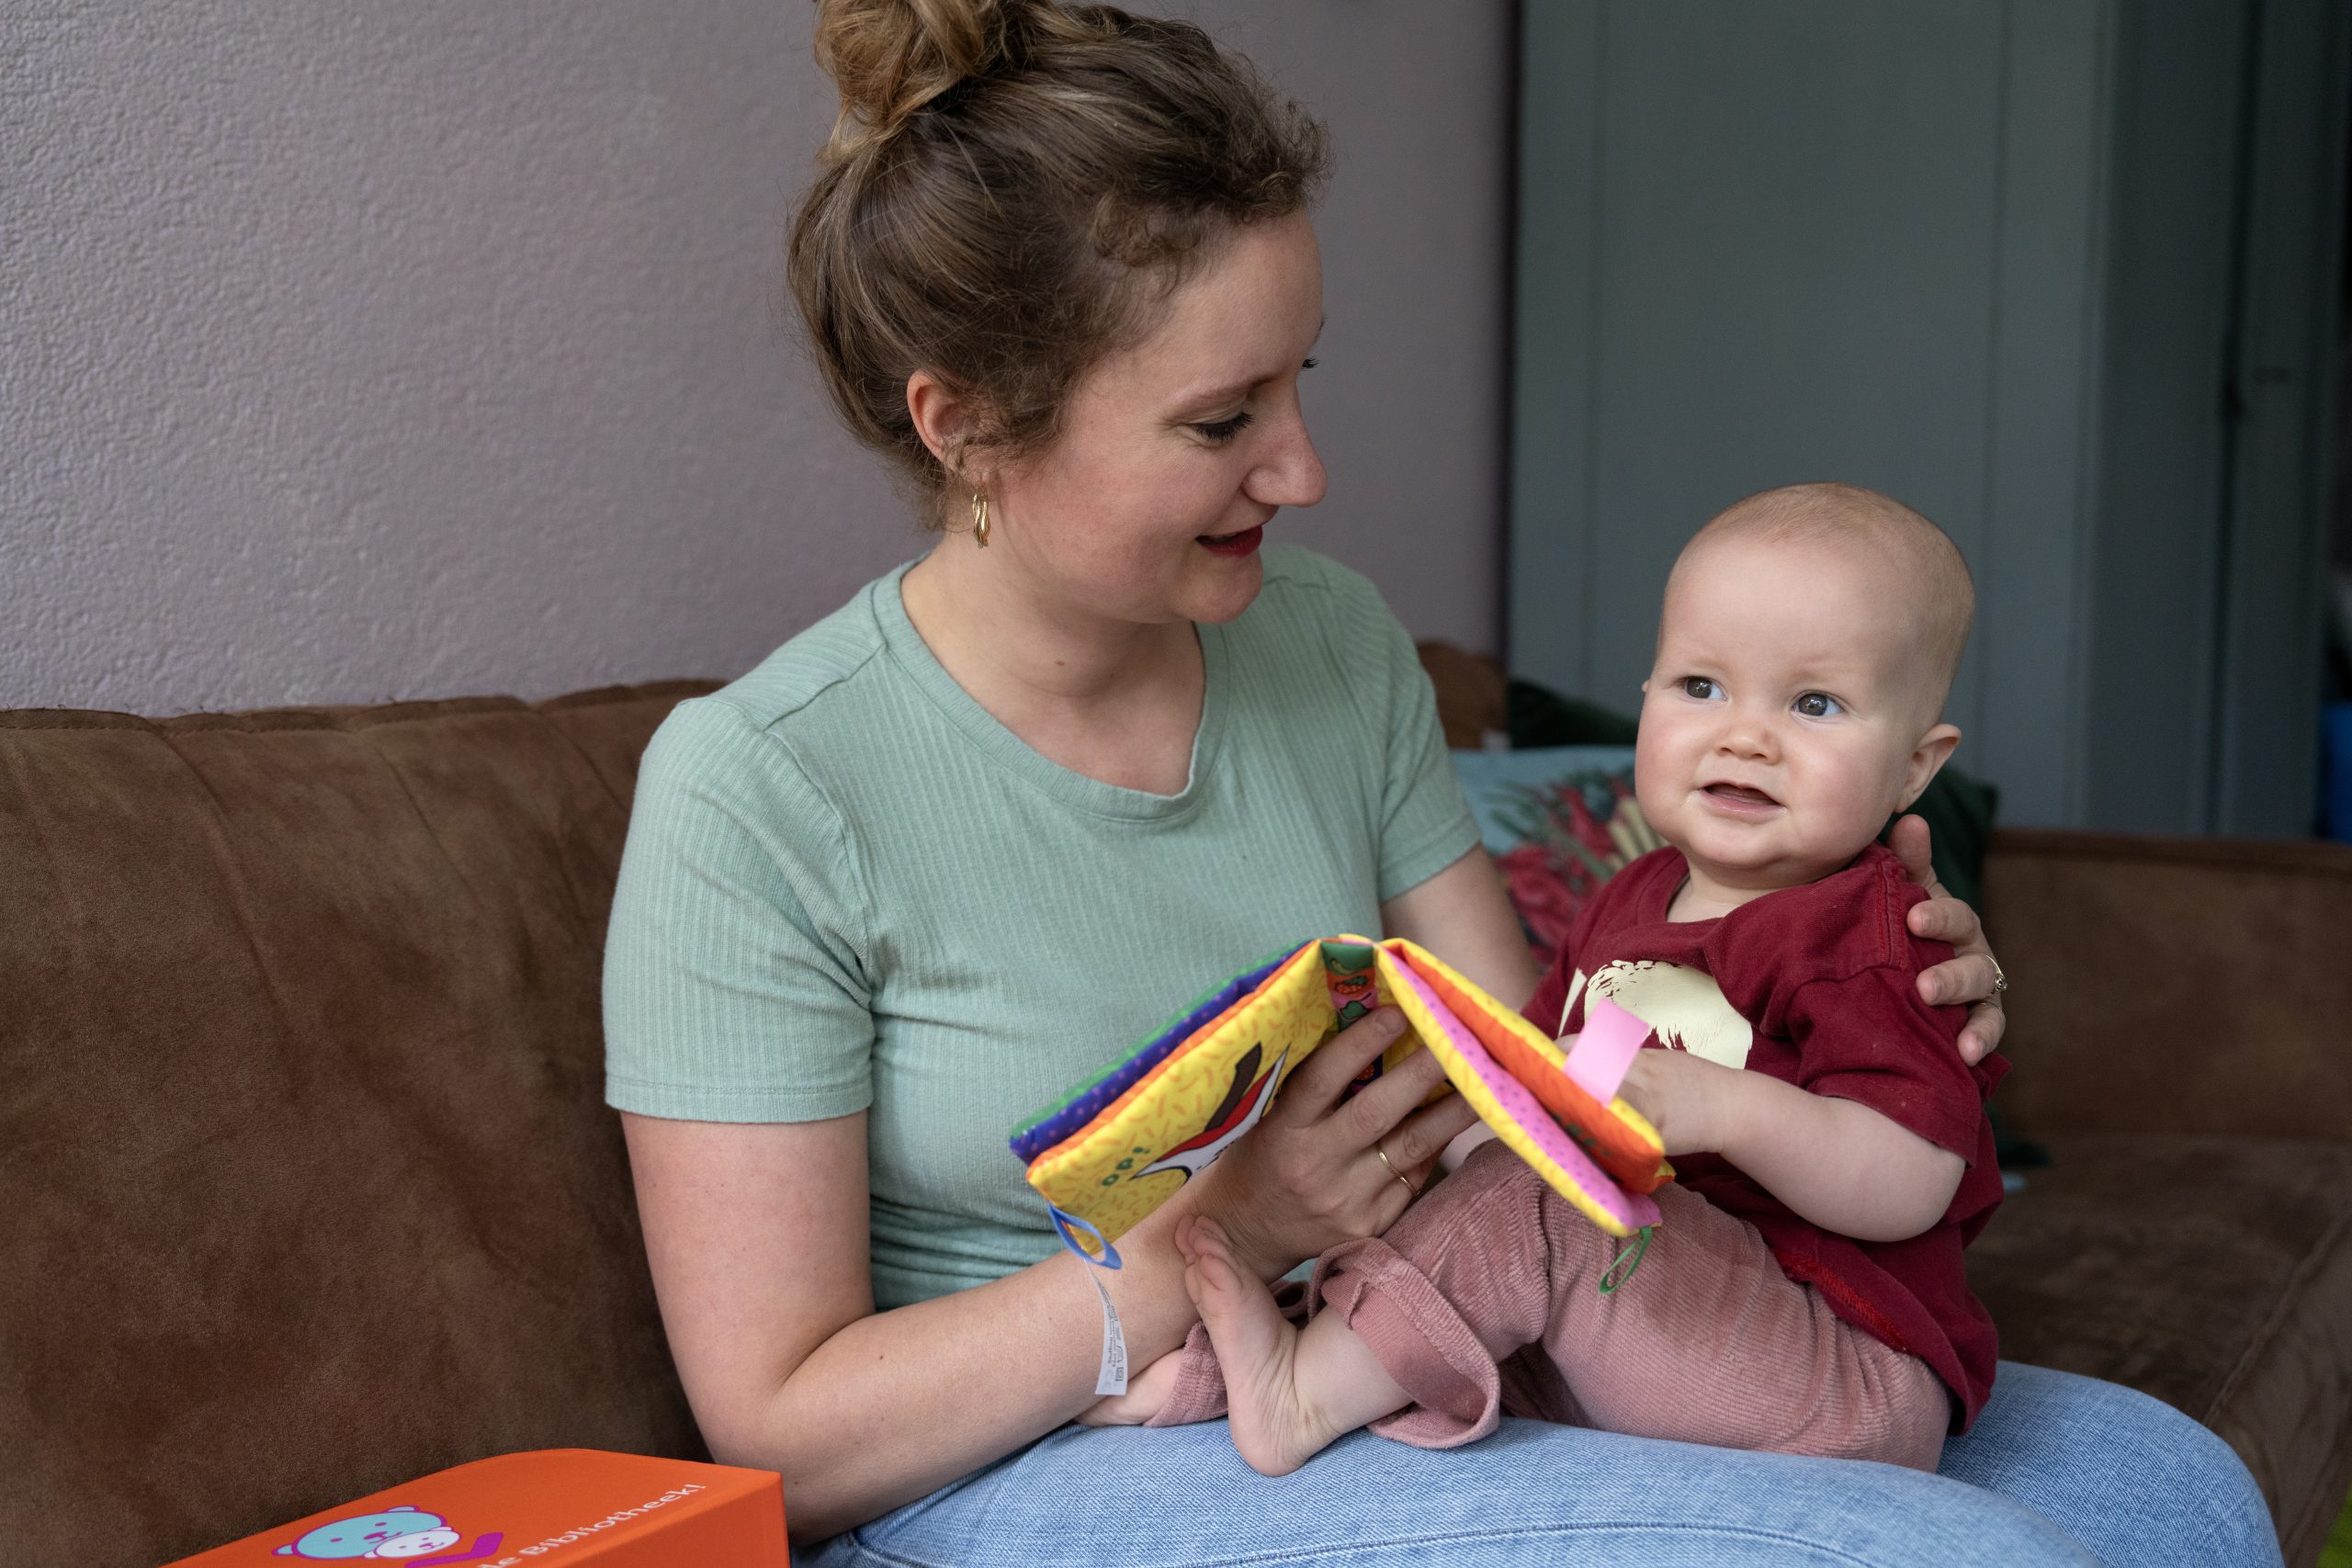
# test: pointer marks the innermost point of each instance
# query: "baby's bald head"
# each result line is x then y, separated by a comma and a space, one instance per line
1926, 584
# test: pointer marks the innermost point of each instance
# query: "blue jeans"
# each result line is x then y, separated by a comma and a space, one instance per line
2059, 1470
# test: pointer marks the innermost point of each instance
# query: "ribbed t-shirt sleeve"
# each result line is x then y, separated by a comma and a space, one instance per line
1425, 822
734, 985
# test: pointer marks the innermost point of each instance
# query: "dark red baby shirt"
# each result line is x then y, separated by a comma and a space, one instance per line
1825, 977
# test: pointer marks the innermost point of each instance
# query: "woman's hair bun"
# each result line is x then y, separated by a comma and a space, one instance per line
1012, 186
891, 57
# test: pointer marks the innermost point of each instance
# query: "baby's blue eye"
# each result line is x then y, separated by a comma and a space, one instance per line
1701, 688
1818, 704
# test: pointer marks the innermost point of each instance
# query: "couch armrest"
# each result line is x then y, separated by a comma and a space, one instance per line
2174, 985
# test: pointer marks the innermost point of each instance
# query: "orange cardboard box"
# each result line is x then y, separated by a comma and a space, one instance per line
557, 1506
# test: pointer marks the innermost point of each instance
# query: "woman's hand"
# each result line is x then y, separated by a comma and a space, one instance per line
1311, 1174
1970, 976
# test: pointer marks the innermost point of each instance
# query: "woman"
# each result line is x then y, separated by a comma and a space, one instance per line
942, 853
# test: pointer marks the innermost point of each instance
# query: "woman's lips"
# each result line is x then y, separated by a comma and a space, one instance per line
1242, 544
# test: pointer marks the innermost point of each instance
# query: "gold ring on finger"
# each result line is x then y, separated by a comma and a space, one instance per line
1394, 1172
2000, 981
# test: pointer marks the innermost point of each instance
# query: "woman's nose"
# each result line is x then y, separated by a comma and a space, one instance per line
1292, 474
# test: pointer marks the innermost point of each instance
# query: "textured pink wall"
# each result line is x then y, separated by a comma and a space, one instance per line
357, 353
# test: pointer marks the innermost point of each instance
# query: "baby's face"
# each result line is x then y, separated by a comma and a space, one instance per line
1783, 719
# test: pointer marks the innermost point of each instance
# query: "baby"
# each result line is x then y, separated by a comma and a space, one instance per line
1805, 1290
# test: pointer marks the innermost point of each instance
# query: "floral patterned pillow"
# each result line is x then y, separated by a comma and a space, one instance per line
1559, 823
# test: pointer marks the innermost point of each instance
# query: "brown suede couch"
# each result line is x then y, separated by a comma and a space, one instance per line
309, 1186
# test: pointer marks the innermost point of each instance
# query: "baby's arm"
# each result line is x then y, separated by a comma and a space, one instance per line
1836, 1162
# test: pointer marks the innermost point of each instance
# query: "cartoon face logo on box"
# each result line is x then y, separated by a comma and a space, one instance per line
400, 1532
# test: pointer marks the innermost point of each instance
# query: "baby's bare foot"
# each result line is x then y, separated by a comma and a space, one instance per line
1273, 1426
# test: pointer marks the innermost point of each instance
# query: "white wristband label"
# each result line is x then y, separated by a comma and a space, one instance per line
1112, 1378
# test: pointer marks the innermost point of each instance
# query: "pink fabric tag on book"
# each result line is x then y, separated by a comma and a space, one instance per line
1605, 1049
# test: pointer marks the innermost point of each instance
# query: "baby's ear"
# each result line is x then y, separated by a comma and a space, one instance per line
1933, 750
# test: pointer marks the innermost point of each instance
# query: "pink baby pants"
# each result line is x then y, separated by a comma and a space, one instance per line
1483, 1299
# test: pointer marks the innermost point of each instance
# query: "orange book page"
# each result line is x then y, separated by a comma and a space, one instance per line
1631, 1161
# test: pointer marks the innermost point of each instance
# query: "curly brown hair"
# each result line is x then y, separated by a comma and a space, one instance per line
1010, 189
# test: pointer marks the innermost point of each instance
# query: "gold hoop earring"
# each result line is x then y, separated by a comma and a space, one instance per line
980, 518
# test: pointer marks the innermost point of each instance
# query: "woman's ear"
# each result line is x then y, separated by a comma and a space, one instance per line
937, 412
941, 417
1934, 749
951, 425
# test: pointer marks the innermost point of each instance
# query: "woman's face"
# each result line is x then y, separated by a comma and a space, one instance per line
1175, 453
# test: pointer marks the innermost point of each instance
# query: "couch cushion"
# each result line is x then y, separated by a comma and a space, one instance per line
312, 1186
2213, 967
2214, 1273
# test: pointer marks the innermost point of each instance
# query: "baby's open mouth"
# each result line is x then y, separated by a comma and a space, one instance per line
1740, 794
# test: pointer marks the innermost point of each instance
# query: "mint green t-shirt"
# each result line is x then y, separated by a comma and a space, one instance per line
847, 888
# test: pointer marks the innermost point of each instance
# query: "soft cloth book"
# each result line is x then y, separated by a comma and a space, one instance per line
1119, 1144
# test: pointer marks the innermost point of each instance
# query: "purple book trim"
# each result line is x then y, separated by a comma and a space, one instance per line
1087, 1103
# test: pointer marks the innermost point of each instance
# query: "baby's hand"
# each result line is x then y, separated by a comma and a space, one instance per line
1683, 1094
1147, 1392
